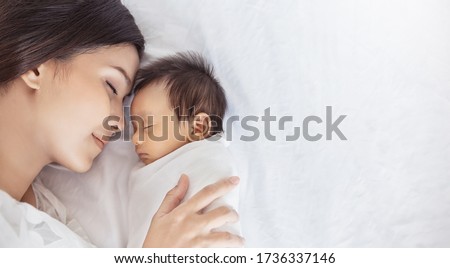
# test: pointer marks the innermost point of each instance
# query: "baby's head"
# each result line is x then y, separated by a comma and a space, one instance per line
177, 100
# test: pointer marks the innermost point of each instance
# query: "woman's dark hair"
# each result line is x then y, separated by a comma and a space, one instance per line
35, 31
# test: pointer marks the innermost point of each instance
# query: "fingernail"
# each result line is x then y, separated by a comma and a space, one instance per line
234, 180
178, 183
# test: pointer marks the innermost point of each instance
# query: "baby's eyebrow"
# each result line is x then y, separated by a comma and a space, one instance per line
143, 115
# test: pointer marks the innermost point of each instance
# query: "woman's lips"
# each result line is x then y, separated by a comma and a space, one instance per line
99, 142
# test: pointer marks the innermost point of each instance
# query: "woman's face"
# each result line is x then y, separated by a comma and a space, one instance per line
76, 96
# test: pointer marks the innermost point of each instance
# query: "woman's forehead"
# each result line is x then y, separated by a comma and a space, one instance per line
124, 58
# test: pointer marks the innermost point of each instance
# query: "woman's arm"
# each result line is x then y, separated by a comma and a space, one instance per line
184, 225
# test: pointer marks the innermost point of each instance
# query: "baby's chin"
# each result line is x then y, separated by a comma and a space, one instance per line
147, 161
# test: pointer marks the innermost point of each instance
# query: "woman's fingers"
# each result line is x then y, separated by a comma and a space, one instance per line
173, 197
210, 193
222, 239
220, 216
181, 225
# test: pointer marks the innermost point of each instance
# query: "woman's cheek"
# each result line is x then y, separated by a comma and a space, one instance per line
74, 149
96, 110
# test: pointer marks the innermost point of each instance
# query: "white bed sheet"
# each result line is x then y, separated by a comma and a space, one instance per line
384, 64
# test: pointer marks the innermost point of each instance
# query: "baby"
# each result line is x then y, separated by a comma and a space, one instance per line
177, 116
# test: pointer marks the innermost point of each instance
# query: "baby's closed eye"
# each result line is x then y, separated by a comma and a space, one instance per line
149, 126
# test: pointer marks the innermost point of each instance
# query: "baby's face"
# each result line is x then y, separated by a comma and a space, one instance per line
157, 131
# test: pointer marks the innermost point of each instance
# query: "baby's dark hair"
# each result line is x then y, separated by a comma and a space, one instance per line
191, 86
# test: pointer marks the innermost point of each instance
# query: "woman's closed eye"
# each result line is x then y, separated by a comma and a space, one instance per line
114, 90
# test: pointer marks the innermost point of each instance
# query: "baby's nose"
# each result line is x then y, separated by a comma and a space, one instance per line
137, 140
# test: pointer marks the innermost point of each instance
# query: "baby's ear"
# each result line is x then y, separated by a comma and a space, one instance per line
200, 127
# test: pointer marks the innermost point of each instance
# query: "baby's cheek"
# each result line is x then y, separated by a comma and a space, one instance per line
160, 148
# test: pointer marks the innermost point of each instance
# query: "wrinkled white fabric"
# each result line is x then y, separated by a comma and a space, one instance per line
23, 225
205, 162
47, 202
384, 64
98, 198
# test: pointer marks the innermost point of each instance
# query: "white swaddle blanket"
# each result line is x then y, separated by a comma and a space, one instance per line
205, 162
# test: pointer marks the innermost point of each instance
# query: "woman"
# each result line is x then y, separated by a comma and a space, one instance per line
65, 67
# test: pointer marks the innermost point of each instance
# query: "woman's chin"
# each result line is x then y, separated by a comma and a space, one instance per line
79, 165
82, 169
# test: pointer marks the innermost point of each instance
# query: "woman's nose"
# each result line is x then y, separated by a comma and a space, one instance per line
117, 111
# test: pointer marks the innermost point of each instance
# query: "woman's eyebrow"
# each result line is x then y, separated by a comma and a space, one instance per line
127, 78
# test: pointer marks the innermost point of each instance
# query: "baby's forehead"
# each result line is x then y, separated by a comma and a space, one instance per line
154, 88
151, 100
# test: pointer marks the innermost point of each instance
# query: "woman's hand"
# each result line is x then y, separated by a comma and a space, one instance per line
184, 225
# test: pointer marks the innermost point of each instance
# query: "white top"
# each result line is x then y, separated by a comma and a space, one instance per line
205, 162
47, 225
